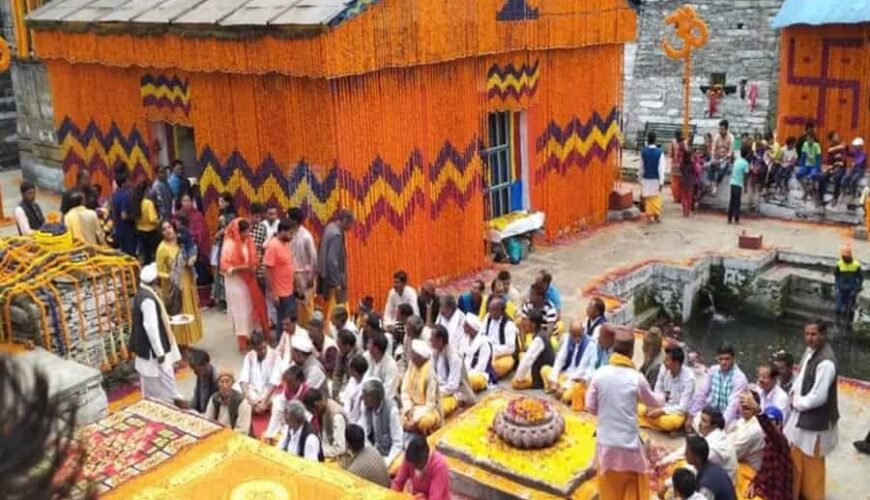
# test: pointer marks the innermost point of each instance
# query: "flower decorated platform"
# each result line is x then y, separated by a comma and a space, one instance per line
488, 467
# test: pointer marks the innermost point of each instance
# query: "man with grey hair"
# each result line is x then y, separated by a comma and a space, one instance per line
414, 328
453, 320
381, 421
301, 439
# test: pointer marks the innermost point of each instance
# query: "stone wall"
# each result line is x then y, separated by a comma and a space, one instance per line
37, 138
742, 45
8, 137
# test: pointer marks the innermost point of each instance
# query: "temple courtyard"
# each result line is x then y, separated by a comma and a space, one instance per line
580, 261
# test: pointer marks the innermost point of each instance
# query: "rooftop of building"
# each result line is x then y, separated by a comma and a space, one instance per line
822, 12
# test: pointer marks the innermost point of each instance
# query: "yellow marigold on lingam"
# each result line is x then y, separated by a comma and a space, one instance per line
528, 409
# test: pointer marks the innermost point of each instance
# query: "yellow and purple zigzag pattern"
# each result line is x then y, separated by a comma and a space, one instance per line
510, 81
163, 92
101, 153
381, 193
577, 144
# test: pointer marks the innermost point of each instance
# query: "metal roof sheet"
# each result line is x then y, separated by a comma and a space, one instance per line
821, 12
226, 13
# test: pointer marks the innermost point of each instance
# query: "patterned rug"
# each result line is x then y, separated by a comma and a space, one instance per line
230, 466
136, 439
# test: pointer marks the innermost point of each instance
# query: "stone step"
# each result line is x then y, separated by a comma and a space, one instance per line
809, 304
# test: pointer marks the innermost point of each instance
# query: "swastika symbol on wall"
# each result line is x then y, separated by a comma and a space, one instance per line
824, 82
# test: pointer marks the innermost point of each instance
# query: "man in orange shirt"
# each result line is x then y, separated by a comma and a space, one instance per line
278, 263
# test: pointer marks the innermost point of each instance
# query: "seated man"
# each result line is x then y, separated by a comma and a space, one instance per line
746, 435
428, 303
502, 333
330, 422
397, 332
302, 353
513, 294
769, 390
351, 396
421, 409
293, 387
325, 348
452, 319
720, 450
260, 366
228, 407
347, 350
595, 317
363, 459
382, 366
597, 354
537, 301
206, 380
564, 376
720, 389
713, 481
301, 438
341, 321
544, 280
773, 479
381, 421
400, 293
685, 485
539, 354
478, 355
471, 302
426, 470
676, 385
289, 329
453, 385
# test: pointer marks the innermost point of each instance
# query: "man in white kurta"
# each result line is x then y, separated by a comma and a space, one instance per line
477, 355
812, 424
400, 293
502, 333
258, 368
451, 318
382, 366
770, 391
453, 385
156, 354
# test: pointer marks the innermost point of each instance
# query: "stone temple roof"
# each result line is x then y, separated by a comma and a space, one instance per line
197, 13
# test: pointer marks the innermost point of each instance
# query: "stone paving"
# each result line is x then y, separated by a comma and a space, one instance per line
578, 261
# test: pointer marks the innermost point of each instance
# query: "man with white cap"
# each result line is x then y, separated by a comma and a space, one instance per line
421, 411
152, 342
302, 352
477, 355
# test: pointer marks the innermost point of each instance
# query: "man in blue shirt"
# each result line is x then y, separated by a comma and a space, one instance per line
738, 180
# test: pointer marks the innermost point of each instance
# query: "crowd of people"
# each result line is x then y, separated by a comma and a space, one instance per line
760, 166
363, 388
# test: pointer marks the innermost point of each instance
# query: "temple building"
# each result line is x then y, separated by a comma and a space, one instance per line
824, 68
426, 118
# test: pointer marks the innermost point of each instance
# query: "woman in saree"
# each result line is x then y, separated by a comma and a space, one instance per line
227, 214
174, 269
238, 265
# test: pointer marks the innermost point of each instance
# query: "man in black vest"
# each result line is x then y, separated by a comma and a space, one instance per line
812, 425
228, 407
152, 342
28, 214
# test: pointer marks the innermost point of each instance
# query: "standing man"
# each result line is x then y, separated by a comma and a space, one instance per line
179, 184
82, 222
738, 181
613, 396
812, 424
278, 264
122, 213
849, 281
332, 261
28, 213
162, 193
304, 264
653, 176
152, 342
